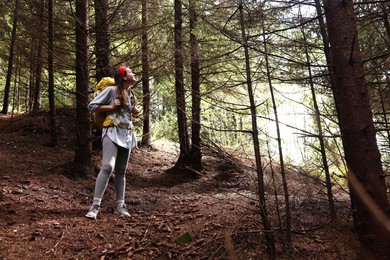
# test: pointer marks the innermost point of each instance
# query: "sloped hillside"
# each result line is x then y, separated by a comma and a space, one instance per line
214, 217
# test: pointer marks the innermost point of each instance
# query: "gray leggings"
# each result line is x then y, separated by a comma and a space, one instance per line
115, 158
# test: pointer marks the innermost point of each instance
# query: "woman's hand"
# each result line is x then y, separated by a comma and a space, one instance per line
116, 104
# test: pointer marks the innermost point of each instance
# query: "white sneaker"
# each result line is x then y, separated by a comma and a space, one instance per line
122, 211
93, 211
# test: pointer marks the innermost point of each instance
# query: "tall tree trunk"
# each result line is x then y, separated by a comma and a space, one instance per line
38, 70
275, 186
15, 99
327, 51
332, 75
31, 82
103, 55
179, 89
269, 236
190, 158
179, 80
280, 148
332, 209
53, 122
82, 157
10, 60
18, 88
357, 129
195, 153
147, 115
102, 45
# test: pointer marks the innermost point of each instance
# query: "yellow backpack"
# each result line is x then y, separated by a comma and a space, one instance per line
100, 119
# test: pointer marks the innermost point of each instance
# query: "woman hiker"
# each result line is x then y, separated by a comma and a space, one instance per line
117, 138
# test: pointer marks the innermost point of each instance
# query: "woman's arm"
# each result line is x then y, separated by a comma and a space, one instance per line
105, 101
105, 108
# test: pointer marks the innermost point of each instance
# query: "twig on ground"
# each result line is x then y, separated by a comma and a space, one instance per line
58, 242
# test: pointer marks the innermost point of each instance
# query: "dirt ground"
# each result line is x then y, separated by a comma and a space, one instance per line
42, 210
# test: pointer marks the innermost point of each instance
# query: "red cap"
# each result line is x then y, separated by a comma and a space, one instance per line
122, 70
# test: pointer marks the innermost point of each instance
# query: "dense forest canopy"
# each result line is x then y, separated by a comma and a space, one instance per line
241, 60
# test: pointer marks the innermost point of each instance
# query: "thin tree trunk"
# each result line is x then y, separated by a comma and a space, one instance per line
147, 115
179, 80
195, 154
179, 90
53, 122
18, 88
357, 129
274, 185
83, 146
10, 60
15, 98
39, 63
280, 149
29, 93
328, 181
269, 236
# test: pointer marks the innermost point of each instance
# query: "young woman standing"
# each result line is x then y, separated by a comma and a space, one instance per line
117, 138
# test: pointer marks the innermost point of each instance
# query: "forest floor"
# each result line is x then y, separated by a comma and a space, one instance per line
42, 209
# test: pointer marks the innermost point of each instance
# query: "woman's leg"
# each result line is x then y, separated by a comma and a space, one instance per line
120, 179
110, 150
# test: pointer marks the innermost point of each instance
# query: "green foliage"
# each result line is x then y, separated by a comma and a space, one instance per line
165, 128
275, 30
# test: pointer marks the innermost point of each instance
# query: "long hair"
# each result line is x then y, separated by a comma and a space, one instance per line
119, 73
